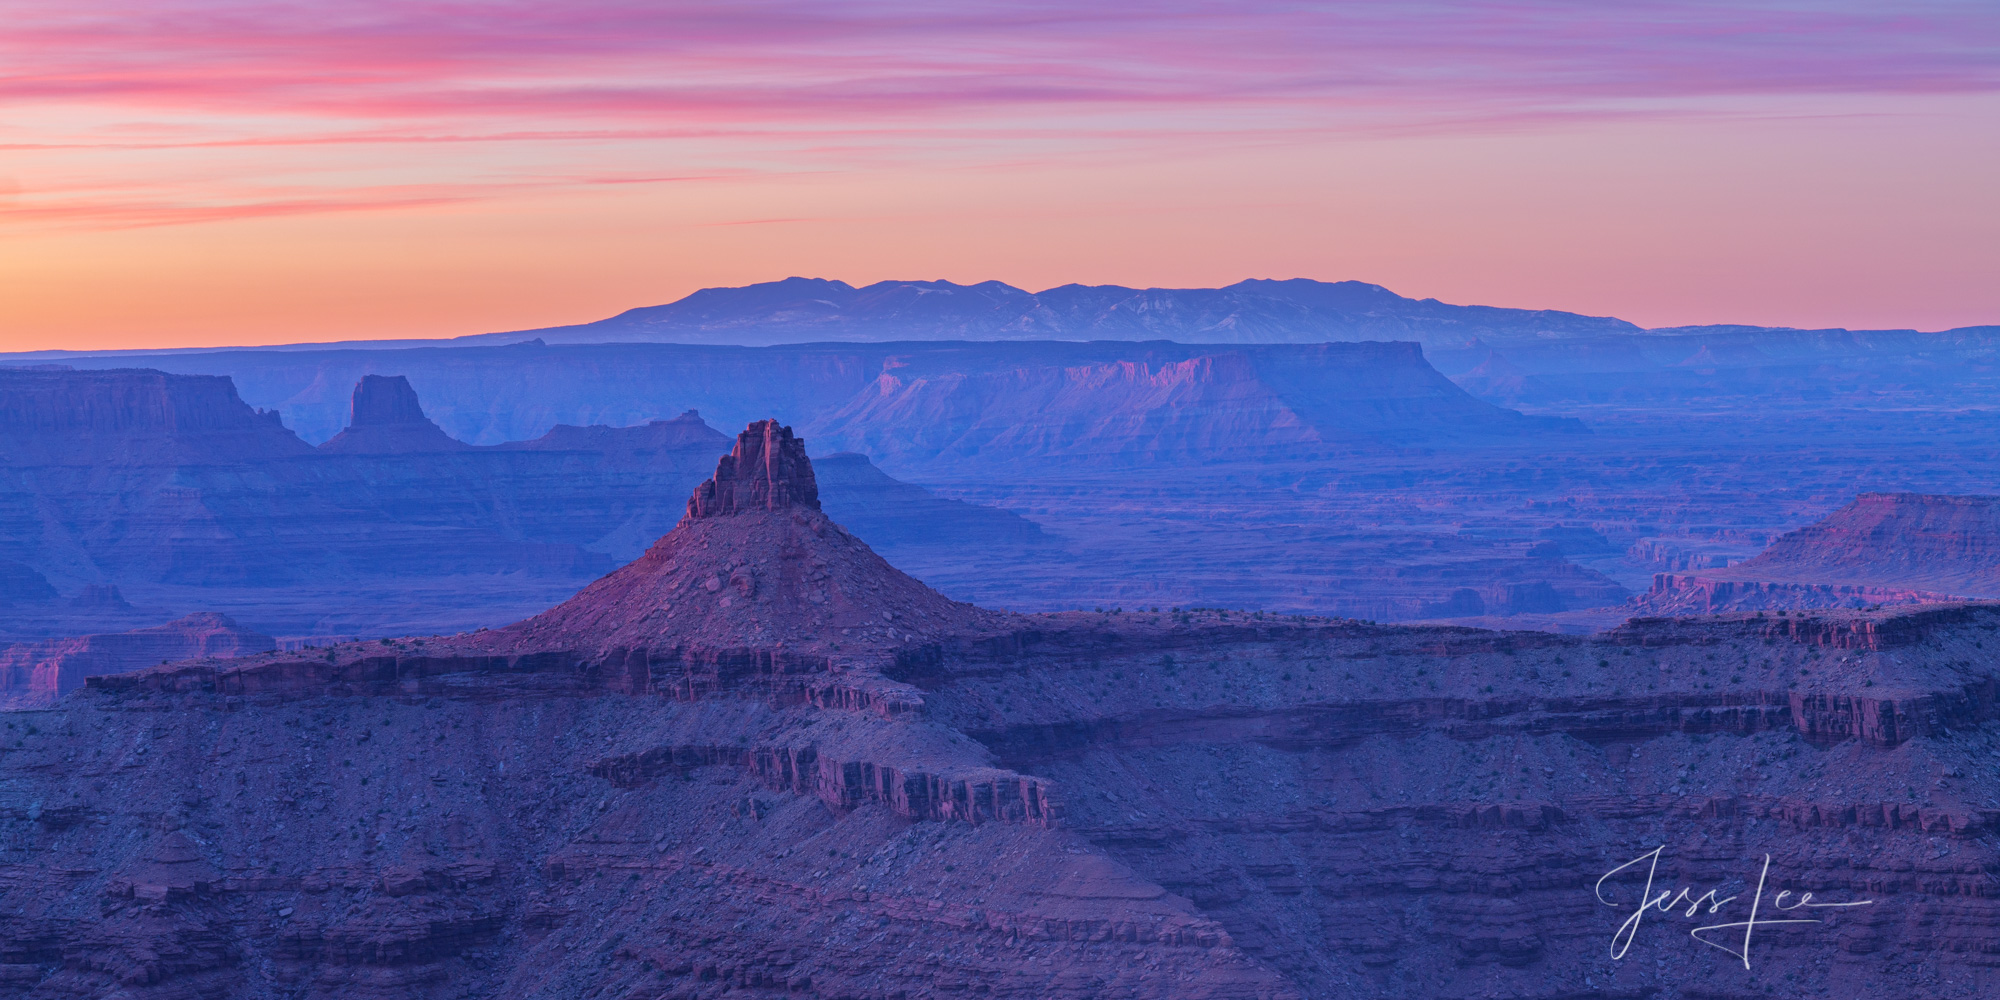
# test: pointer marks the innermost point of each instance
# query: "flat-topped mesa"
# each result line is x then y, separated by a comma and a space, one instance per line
386, 399
768, 470
389, 419
133, 417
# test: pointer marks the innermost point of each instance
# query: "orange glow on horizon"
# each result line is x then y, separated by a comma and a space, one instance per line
588, 160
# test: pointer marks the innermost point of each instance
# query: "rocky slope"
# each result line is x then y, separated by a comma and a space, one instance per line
36, 674
754, 565
1944, 543
1883, 548
883, 793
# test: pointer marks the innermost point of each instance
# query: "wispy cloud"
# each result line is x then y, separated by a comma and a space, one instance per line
784, 81
790, 60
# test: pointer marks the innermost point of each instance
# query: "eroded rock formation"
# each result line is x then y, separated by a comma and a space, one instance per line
388, 419
696, 778
125, 416
36, 674
1881, 549
156, 501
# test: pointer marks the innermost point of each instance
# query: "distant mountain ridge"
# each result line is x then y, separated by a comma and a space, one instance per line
1257, 311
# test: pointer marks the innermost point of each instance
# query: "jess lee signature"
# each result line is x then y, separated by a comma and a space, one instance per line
1667, 901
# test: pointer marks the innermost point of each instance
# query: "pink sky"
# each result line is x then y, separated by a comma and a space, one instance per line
207, 172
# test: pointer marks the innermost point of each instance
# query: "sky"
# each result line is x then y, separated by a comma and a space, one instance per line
207, 172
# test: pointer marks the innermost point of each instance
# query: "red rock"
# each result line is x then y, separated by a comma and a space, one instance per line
754, 569
1883, 548
1917, 541
1197, 805
767, 471
35, 674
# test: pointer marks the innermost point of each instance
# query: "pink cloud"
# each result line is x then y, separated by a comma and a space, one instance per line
734, 87
622, 61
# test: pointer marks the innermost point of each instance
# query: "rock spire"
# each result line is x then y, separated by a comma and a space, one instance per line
767, 470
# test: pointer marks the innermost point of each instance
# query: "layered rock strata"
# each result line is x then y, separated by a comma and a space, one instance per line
388, 419
885, 793
1880, 549
36, 674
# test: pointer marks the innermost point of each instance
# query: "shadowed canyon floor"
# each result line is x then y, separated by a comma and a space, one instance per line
760, 761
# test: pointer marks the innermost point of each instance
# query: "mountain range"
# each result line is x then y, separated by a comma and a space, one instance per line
1257, 311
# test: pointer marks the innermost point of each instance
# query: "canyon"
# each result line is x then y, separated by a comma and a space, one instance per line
450, 535
1883, 548
1352, 479
170, 490
37, 674
759, 760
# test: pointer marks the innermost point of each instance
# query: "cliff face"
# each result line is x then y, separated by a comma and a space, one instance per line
1217, 405
1882, 548
133, 416
683, 783
1703, 594
393, 501
1939, 543
766, 473
36, 674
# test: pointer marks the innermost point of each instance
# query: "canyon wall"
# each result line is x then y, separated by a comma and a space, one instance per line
153, 500
489, 395
759, 759
1065, 805
36, 674
1881, 548
1247, 403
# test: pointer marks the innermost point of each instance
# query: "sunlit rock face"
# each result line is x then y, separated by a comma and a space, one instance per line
1880, 549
